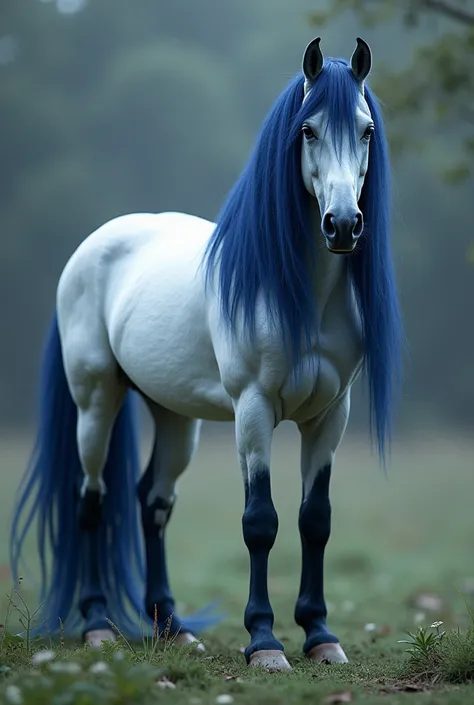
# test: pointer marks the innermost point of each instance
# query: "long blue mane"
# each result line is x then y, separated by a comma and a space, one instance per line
264, 245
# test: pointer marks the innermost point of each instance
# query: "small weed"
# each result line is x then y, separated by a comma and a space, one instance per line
424, 643
27, 618
151, 645
440, 656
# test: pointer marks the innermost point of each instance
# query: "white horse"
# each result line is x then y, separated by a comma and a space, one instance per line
268, 315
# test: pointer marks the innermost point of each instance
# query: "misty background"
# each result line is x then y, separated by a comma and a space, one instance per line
111, 106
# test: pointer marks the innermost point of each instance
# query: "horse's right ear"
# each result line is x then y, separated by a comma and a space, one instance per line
313, 61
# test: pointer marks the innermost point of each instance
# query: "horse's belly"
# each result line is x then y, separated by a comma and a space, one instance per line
200, 398
175, 367
179, 376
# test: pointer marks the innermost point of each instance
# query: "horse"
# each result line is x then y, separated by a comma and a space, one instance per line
269, 314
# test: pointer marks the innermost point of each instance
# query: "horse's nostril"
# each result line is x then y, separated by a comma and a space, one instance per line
359, 225
329, 226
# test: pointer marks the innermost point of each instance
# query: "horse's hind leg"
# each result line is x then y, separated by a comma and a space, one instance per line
98, 394
176, 438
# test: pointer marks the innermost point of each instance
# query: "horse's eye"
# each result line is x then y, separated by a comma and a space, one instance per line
308, 133
369, 131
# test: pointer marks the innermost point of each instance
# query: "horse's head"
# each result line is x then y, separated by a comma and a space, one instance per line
335, 157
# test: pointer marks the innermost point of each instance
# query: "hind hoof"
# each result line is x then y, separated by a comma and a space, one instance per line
185, 638
329, 653
95, 637
271, 660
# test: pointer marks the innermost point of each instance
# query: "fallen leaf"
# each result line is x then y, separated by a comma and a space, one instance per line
342, 697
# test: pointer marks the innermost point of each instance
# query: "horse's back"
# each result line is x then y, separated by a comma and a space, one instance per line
111, 258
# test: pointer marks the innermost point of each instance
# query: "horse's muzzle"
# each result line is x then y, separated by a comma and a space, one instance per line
342, 231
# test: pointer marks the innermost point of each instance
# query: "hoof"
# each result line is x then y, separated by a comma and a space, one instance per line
271, 660
331, 653
185, 638
95, 637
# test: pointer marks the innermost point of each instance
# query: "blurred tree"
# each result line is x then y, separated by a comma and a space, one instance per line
109, 110
123, 106
437, 85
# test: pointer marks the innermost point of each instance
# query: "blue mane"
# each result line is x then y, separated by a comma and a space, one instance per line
263, 242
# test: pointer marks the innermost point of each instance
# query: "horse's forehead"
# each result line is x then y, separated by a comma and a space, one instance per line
361, 113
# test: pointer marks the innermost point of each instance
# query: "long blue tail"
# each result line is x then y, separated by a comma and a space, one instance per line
47, 498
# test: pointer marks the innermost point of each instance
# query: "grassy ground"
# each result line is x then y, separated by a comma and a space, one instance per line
400, 546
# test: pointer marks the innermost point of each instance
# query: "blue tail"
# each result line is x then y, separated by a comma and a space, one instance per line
47, 499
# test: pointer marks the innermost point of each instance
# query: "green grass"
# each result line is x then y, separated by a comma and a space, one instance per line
400, 549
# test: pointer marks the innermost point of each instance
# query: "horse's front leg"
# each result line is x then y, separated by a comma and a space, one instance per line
255, 420
319, 441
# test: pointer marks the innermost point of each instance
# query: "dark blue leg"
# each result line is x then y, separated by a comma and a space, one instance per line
92, 602
260, 527
315, 528
155, 516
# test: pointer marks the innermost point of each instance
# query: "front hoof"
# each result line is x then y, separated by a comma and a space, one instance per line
271, 660
328, 653
95, 637
185, 638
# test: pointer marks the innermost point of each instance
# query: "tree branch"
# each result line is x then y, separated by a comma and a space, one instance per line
449, 9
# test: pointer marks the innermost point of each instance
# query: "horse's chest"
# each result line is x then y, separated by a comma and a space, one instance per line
327, 373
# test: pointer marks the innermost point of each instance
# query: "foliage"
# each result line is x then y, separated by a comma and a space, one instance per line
422, 643
437, 85
440, 656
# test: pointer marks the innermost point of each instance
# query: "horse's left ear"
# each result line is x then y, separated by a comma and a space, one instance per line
361, 61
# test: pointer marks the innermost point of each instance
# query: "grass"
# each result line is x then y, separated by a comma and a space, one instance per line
400, 551
443, 657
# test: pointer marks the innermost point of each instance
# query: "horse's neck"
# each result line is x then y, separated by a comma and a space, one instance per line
330, 271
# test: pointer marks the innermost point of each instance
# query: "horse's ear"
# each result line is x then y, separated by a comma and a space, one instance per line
313, 61
361, 61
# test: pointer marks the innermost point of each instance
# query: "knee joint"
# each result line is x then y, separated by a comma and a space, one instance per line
260, 526
260, 520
